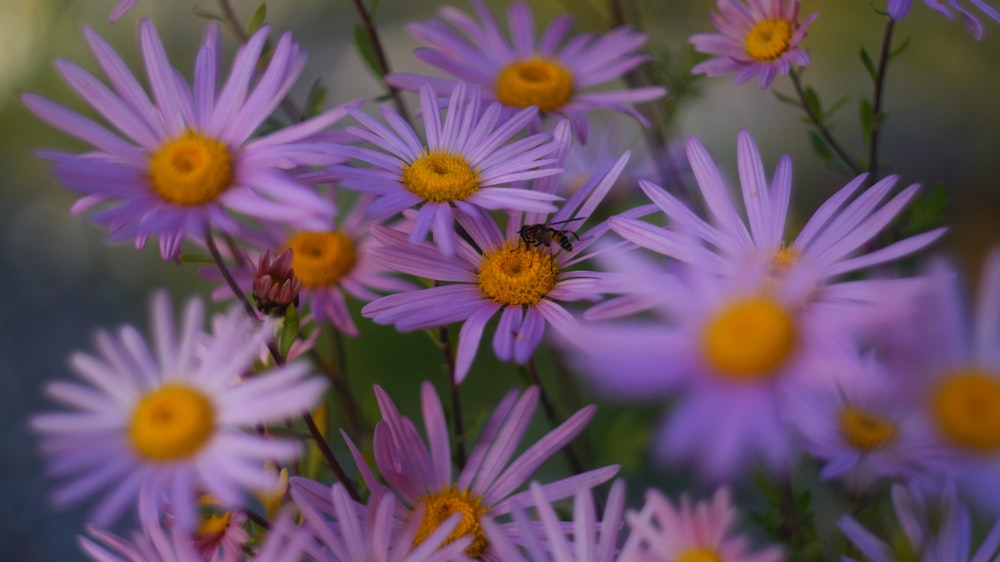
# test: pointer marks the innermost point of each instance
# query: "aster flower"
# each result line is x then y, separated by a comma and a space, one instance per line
593, 541
550, 73
153, 543
661, 532
757, 38
330, 264
827, 246
461, 167
950, 540
183, 162
175, 420
352, 532
120, 9
898, 9
521, 275
421, 472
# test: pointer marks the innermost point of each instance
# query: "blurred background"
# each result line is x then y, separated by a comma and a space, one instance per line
60, 281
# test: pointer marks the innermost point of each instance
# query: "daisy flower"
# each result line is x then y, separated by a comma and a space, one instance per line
898, 9
549, 72
462, 166
184, 161
174, 421
522, 275
421, 472
120, 9
757, 38
328, 263
352, 532
662, 532
832, 242
593, 540
950, 539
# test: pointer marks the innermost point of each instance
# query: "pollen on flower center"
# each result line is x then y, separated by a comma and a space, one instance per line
540, 82
750, 339
171, 423
321, 259
865, 430
768, 40
191, 169
441, 177
699, 555
783, 259
966, 408
516, 274
439, 506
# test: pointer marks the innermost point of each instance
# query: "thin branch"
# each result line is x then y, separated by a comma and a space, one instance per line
877, 95
554, 418
456, 402
368, 23
817, 122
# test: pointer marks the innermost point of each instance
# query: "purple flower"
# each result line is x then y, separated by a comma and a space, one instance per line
757, 38
120, 9
172, 420
551, 73
421, 472
182, 162
521, 274
462, 166
899, 8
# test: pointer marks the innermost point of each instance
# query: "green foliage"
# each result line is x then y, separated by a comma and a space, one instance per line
928, 210
289, 330
315, 98
257, 19
866, 60
366, 48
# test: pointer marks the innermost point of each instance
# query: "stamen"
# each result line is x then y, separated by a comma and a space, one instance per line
768, 40
540, 82
750, 339
441, 177
865, 430
439, 506
191, 169
321, 259
699, 555
172, 423
515, 274
966, 408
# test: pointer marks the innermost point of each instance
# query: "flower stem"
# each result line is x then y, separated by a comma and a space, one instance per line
572, 458
279, 360
883, 62
456, 402
368, 23
821, 128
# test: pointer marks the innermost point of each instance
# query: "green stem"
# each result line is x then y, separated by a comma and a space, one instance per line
821, 128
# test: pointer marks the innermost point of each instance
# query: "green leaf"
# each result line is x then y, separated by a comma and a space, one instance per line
833, 108
289, 330
928, 210
205, 14
822, 150
898, 50
787, 99
315, 99
257, 19
813, 103
367, 51
867, 116
866, 59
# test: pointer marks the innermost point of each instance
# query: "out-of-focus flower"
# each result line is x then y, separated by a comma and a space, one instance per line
275, 285
898, 9
700, 531
929, 536
421, 472
352, 532
172, 421
593, 540
181, 163
120, 9
757, 38
464, 164
550, 73
522, 275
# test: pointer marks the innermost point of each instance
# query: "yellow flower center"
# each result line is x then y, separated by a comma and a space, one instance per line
768, 40
750, 339
783, 259
541, 82
171, 423
441, 177
966, 407
439, 506
865, 430
321, 259
191, 169
699, 555
515, 274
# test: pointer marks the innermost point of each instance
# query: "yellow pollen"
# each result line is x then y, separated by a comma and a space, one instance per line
515, 274
864, 430
214, 524
783, 259
768, 40
540, 82
171, 423
440, 177
966, 408
191, 169
321, 259
439, 506
699, 555
750, 339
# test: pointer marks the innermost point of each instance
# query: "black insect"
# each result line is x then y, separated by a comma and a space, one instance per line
545, 235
